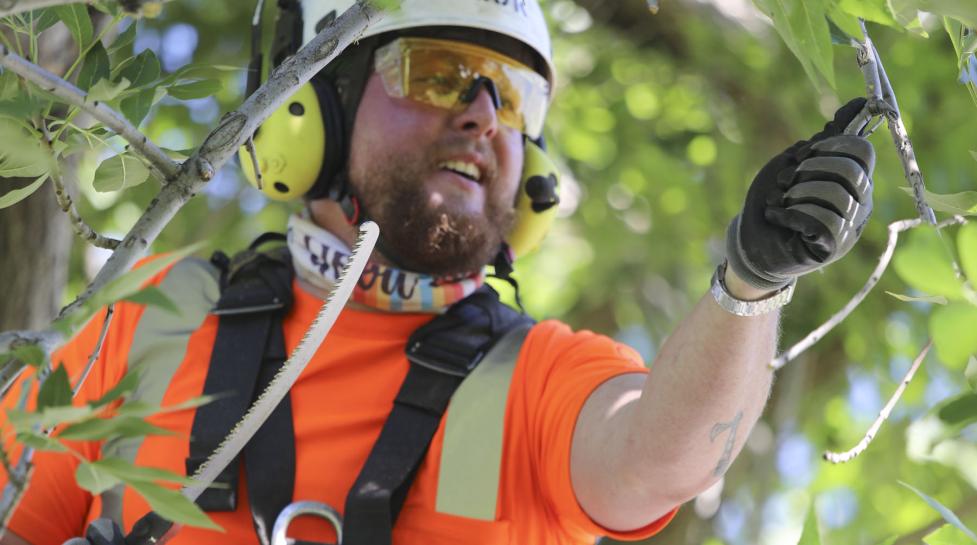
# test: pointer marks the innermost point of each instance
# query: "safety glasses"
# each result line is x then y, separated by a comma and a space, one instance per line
442, 73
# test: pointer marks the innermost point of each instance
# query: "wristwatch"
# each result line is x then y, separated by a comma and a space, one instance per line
740, 307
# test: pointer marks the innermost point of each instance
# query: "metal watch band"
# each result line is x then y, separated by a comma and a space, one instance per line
739, 307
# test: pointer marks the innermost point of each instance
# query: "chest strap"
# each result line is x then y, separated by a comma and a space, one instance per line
441, 353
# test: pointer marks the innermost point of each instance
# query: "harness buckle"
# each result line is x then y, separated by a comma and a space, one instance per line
457, 367
300, 508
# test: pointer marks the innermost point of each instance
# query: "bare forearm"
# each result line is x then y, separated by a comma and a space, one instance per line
706, 390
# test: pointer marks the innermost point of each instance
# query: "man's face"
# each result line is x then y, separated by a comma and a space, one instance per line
440, 183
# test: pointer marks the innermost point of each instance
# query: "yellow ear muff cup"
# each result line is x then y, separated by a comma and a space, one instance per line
290, 146
536, 204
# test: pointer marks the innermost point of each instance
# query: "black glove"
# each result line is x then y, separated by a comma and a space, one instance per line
806, 207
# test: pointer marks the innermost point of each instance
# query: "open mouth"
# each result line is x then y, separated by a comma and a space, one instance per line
463, 169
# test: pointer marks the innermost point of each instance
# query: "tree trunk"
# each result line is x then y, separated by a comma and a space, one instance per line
35, 237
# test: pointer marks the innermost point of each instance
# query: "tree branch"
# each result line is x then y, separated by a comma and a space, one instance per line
16, 485
11, 7
166, 167
223, 142
816, 335
842, 457
95, 352
879, 87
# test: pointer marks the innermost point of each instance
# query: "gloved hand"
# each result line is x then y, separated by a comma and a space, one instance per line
806, 207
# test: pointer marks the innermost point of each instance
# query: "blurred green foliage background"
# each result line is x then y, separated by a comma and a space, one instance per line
659, 123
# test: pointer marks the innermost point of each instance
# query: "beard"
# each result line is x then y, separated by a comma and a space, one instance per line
428, 235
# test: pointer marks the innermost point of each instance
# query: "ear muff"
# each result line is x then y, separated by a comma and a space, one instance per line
299, 147
536, 203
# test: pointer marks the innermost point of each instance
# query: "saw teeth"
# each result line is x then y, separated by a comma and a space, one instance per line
469, 170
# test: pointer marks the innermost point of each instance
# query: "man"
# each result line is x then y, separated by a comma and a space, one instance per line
594, 444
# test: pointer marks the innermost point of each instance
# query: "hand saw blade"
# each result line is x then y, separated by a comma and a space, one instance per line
157, 530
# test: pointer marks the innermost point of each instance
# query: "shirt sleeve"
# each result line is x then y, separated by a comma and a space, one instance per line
53, 508
562, 369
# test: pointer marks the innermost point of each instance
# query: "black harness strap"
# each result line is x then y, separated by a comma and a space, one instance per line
248, 351
441, 354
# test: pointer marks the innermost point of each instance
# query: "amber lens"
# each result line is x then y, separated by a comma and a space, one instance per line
439, 72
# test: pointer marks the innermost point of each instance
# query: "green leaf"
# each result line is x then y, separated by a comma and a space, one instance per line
75, 17
967, 251
55, 391
970, 373
810, 534
961, 10
196, 70
135, 107
938, 299
154, 297
143, 70
9, 85
123, 286
843, 27
66, 414
952, 328
120, 172
30, 354
130, 473
22, 106
195, 89
973, 154
13, 197
44, 19
173, 506
21, 155
889, 540
127, 385
922, 262
117, 427
95, 67
105, 90
963, 203
93, 478
945, 535
947, 514
40, 441
122, 44
877, 11
804, 28
959, 411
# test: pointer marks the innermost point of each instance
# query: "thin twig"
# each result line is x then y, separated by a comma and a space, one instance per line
109, 311
900, 137
842, 457
14, 490
67, 92
254, 160
81, 228
817, 334
224, 141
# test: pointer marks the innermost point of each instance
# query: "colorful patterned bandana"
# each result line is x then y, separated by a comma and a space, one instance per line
319, 257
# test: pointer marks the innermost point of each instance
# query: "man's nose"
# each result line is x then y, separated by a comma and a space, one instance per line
480, 105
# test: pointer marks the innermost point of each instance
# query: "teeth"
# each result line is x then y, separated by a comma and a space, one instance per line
461, 167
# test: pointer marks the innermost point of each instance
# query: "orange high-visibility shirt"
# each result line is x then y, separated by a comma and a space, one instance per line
339, 405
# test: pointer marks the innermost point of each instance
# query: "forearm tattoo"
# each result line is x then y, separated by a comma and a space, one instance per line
727, 456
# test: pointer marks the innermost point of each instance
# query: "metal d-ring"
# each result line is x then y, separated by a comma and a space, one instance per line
300, 508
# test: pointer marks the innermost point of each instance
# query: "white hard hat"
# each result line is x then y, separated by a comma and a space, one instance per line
519, 19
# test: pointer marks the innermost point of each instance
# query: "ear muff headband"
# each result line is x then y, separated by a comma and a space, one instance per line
536, 203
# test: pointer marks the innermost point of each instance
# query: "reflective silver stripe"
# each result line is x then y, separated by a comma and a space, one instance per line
471, 456
158, 348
